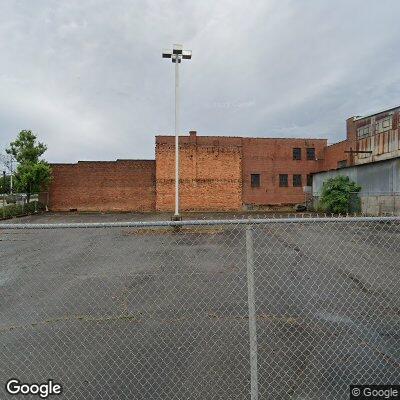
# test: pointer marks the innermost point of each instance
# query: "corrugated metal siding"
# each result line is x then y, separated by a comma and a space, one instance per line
375, 178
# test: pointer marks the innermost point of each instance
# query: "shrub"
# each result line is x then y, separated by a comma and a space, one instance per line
340, 195
15, 210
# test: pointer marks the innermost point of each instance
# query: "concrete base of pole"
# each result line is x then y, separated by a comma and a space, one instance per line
176, 218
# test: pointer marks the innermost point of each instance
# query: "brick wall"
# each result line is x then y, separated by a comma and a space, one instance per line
210, 173
215, 171
272, 157
215, 174
122, 185
334, 154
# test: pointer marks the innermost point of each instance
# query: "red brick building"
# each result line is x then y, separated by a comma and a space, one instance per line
122, 185
221, 173
229, 173
210, 171
282, 167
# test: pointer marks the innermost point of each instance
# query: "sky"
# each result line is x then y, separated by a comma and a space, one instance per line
88, 78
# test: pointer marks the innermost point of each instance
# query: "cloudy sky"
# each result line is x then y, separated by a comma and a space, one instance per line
88, 78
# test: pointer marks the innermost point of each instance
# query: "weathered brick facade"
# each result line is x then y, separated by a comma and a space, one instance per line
334, 156
273, 157
210, 173
122, 185
215, 171
215, 175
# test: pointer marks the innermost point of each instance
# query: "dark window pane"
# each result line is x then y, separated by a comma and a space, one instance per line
310, 153
309, 180
255, 180
296, 180
296, 153
283, 180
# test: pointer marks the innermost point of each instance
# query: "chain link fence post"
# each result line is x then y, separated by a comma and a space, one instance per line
252, 313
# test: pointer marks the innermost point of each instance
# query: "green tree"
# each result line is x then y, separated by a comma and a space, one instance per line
337, 194
32, 172
4, 188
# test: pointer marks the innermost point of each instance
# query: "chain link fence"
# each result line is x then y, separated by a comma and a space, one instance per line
17, 204
245, 309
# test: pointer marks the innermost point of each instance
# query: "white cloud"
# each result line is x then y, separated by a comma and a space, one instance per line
88, 77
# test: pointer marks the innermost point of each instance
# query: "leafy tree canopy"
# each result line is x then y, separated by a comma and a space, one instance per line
4, 185
25, 149
337, 194
32, 172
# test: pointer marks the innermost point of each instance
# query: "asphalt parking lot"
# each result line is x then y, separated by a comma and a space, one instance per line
156, 313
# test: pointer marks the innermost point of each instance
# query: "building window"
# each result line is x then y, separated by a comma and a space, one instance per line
310, 153
342, 164
309, 180
383, 125
363, 132
255, 180
283, 180
297, 180
296, 153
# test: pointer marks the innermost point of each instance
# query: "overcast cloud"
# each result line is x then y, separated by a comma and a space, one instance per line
88, 78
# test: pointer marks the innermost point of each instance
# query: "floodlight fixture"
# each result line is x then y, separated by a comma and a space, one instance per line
187, 54
177, 49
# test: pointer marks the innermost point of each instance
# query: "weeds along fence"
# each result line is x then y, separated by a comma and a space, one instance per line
216, 309
16, 205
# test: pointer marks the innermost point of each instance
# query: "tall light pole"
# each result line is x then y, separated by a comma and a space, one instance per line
8, 163
177, 54
11, 173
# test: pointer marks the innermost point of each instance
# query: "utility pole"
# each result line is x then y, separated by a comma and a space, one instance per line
8, 164
11, 174
177, 55
4, 193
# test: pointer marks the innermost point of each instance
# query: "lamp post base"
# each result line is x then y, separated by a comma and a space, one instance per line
176, 217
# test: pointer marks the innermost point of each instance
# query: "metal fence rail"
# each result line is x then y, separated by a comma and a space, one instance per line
215, 309
16, 204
